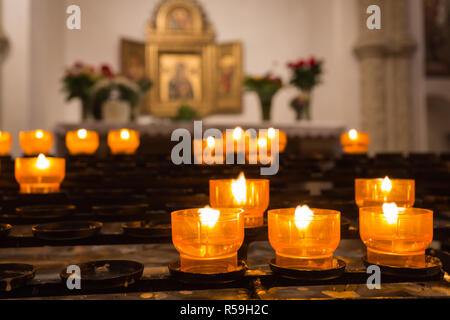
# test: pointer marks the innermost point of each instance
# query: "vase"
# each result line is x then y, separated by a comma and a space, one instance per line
266, 107
86, 108
303, 111
116, 111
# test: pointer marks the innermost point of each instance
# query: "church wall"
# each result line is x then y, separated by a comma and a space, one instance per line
272, 32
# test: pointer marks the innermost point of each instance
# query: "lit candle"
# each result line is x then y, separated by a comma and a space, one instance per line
208, 149
304, 238
36, 142
82, 141
396, 236
208, 239
237, 140
252, 195
39, 174
5, 143
375, 192
264, 143
355, 142
124, 141
272, 135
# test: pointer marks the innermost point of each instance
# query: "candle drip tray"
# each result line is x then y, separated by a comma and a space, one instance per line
123, 211
431, 271
105, 274
5, 229
207, 278
15, 275
44, 212
144, 229
67, 230
337, 270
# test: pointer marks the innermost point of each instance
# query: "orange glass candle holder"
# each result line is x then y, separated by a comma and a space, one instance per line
355, 142
237, 139
82, 142
208, 239
40, 174
5, 143
35, 142
304, 238
252, 195
272, 135
124, 141
208, 148
375, 192
396, 236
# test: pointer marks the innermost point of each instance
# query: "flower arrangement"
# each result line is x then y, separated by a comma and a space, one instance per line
120, 88
94, 86
305, 75
78, 82
265, 87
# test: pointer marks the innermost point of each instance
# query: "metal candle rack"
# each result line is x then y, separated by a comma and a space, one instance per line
140, 193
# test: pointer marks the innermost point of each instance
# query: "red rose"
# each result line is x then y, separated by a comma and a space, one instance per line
106, 71
312, 62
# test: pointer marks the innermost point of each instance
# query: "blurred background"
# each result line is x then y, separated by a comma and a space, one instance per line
393, 82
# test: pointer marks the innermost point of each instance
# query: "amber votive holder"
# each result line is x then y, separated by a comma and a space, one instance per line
208, 153
5, 143
35, 142
35, 178
304, 243
357, 144
123, 141
254, 202
398, 241
208, 247
82, 142
370, 193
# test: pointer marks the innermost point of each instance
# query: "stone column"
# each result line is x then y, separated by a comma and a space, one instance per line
384, 56
4, 46
371, 50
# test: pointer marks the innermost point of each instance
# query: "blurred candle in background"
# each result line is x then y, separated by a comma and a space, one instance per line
354, 142
5, 143
35, 142
82, 141
124, 141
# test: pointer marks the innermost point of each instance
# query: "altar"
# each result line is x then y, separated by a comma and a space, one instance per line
304, 137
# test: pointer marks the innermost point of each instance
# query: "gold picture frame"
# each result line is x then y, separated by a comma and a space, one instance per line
186, 66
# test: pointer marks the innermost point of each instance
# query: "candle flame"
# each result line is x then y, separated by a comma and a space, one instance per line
303, 217
386, 185
39, 134
237, 133
262, 142
271, 133
211, 142
208, 216
390, 212
353, 134
239, 189
124, 134
82, 133
42, 162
